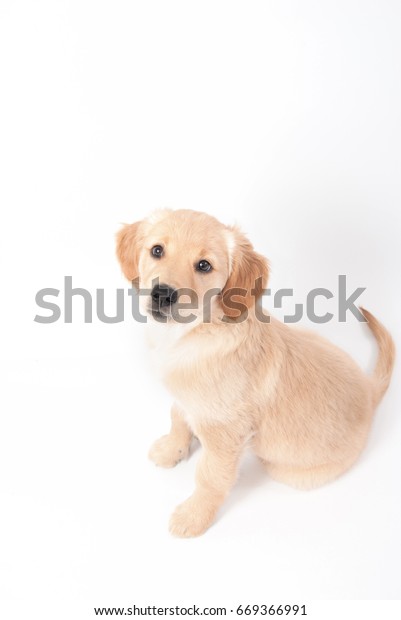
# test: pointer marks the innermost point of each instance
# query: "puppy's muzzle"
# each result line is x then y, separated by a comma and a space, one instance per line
163, 298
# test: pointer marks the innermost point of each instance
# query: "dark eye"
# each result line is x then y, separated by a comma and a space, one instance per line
204, 266
157, 251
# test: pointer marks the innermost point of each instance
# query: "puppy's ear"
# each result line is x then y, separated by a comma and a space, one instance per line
128, 239
248, 277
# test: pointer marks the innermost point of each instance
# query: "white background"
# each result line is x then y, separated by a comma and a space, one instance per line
282, 117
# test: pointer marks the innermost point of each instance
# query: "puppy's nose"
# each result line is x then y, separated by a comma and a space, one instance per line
163, 295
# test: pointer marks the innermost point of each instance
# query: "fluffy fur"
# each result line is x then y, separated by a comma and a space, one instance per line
302, 405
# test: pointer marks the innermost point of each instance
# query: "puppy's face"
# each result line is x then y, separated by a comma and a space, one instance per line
187, 264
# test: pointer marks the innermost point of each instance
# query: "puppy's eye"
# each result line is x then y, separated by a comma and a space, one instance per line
157, 251
204, 266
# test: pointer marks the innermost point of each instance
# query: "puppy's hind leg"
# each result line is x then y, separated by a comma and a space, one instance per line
174, 447
309, 477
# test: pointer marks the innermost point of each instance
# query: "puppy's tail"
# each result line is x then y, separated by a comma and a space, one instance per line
385, 362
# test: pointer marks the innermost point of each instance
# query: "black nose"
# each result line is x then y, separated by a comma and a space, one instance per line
163, 295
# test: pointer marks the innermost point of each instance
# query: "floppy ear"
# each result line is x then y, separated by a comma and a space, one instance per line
248, 276
128, 250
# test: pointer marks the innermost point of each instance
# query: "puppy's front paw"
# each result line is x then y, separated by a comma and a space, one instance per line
191, 519
167, 452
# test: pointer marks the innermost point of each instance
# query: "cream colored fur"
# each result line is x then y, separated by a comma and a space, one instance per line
302, 405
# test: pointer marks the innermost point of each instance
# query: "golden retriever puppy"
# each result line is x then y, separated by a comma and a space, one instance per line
301, 404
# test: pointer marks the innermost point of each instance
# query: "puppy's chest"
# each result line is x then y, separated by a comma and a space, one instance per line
201, 384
